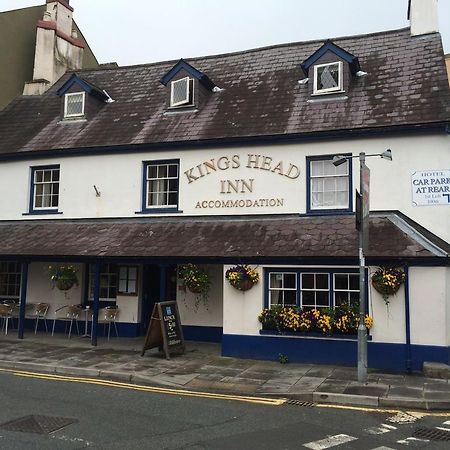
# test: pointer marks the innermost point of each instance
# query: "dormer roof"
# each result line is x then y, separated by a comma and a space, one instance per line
330, 46
85, 86
192, 71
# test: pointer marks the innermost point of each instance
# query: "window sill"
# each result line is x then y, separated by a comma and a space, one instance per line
160, 211
329, 212
311, 335
42, 212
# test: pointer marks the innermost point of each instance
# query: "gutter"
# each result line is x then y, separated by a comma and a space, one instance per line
407, 322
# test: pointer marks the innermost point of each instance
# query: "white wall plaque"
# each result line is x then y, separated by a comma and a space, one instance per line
431, 187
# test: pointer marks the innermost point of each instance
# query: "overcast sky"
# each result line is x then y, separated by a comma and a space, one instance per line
141, 31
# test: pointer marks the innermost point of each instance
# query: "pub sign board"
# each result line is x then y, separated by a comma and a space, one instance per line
164, 330
431, 187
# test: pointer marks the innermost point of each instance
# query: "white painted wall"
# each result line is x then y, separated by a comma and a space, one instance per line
241, 309
429, 305
210, 315
118, 177
39, 289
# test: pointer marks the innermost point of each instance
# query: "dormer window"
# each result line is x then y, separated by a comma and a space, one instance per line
182, 92
74, 105
327, 78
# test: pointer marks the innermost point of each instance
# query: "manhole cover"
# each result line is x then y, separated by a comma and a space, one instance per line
37, 424
432, 434
300, 403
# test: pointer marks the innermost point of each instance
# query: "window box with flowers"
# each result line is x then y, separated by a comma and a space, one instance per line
64, 277
340, 322
242, 277
196, 280
387, 281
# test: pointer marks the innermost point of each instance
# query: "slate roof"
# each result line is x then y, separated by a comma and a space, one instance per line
406, 85
234, 239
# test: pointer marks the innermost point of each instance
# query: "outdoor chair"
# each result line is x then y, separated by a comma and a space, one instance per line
6, 310
67, 313
108, 315
40, 313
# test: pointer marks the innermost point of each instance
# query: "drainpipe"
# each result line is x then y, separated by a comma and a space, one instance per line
23, 299
407, 321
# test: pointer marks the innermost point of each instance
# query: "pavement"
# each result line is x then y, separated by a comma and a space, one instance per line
202, 368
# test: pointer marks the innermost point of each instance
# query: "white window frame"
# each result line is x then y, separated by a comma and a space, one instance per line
349, 291
51, 183
125, 276
10, 269
334, 176
189, 86
66, 98
109, 270
338, 88
168, 178
315, 290
282, 288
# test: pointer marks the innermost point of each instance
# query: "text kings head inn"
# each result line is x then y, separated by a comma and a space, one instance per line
228, 183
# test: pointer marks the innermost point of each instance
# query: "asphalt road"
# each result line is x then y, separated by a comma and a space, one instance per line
117, 417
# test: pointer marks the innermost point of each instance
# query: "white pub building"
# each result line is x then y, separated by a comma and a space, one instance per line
128, 174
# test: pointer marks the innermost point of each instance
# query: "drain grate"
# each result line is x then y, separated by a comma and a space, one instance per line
300, 403
432, 434
37, 424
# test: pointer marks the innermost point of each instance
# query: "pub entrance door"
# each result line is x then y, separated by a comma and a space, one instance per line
151, 284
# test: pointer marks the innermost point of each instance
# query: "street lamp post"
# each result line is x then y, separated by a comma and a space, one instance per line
362, 224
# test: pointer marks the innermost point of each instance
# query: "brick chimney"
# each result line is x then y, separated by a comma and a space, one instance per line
423, 16
58, 48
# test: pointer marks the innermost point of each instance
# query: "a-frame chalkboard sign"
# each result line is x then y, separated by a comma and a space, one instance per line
164, 330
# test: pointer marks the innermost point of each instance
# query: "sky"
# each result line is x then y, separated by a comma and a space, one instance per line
142, 31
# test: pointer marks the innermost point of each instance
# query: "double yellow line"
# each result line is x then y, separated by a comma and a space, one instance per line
141, 388
199, 394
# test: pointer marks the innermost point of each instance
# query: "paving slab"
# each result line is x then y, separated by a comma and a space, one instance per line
202, 368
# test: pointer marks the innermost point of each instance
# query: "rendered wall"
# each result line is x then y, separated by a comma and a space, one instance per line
119, 179
209, 315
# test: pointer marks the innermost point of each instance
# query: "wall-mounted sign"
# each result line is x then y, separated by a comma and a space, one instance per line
234, 191
431, 187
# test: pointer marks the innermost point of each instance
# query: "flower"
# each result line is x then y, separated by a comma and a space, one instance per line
63, 276
387, 281
197, 280
342, 319
242, 277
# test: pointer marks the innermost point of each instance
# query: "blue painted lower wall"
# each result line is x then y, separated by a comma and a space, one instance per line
331, 351
202, 334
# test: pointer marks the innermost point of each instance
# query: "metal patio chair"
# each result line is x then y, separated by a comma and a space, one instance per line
6, 310
40, 313
108, 315
67, 313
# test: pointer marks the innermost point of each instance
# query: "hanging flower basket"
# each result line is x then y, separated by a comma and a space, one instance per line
64, 277
242, 277
197, 280
64, 285
387, 281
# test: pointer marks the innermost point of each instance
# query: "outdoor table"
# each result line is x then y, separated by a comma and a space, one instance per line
86, 311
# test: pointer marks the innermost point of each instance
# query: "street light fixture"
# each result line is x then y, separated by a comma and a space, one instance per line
362, 224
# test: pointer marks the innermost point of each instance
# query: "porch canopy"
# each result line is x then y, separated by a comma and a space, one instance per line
220, 239
394, 239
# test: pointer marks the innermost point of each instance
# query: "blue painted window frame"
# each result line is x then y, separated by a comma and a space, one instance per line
43, 211
298, 271
331, 211
156, 210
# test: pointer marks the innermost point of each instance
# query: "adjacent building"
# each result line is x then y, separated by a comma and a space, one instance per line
128, 173
39, 43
